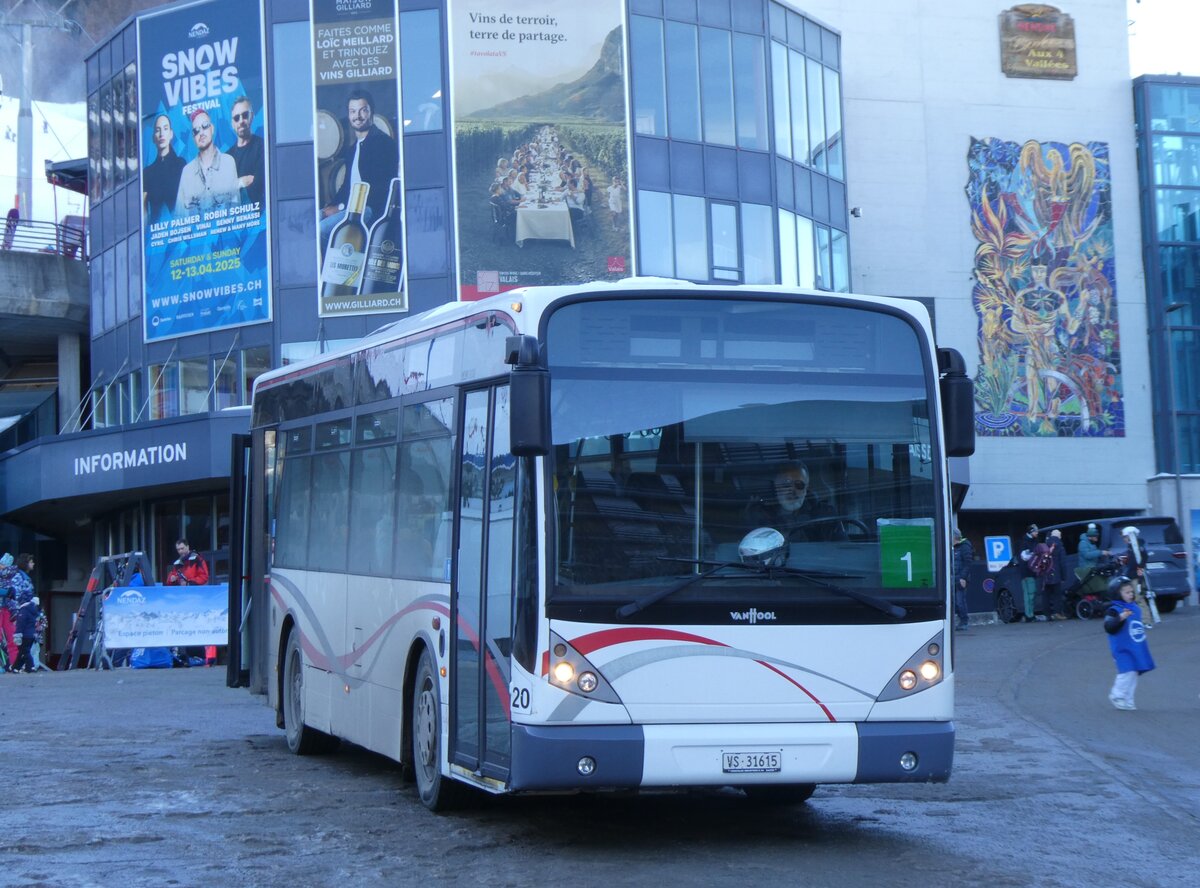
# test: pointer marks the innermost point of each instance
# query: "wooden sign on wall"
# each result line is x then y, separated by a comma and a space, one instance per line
1037, 40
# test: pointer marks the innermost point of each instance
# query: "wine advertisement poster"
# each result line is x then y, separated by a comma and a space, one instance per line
360, 193
541, 143
205, 250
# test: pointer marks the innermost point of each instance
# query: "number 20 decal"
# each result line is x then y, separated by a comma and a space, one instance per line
520, 699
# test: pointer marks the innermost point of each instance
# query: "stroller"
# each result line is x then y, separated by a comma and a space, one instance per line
1088, 595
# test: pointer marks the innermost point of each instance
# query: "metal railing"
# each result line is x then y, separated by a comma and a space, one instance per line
31, 236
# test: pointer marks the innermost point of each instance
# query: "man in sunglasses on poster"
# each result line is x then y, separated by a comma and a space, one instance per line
210, 179
795, 511
248, 154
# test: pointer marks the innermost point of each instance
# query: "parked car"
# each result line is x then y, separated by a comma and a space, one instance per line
1162, 544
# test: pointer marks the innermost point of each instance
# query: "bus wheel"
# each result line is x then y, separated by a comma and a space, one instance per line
438, 792
775, 794
301, 739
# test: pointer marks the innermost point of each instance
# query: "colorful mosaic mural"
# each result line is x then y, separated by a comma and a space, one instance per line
1045, 290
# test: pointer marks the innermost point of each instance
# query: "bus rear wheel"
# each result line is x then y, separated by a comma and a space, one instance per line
776, 794
301, 739
438, 792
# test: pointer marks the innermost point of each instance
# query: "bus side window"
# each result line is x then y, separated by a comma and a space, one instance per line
291, 545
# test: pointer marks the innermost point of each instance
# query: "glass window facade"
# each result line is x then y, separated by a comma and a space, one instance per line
743, 99
421, 70
1168, 118
293, 117
756, 78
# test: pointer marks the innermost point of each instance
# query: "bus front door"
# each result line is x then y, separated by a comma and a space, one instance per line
482, 594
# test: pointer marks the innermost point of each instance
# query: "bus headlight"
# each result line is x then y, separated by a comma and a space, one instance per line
923, 670
567, 669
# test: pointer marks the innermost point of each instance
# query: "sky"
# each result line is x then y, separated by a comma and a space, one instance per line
1163, 37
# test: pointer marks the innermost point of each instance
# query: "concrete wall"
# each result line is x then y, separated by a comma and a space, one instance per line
44, 286
921, 78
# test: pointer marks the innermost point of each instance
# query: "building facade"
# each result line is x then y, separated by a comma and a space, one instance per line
1168, 132
979, 159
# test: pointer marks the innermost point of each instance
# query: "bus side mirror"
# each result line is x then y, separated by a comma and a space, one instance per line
958, 403
528, 398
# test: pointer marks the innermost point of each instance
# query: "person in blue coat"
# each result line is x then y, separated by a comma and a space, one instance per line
1127, 641
27, 616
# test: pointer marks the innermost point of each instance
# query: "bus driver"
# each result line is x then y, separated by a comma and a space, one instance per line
796, 512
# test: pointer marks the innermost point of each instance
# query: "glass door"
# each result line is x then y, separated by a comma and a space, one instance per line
483, 588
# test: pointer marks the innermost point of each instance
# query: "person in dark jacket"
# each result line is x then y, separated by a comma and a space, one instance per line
1029, 583
1051, 582
27, 617
962, 556
1126, 642
796, 512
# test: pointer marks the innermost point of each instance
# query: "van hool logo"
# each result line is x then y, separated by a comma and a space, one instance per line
198, 30
752, 616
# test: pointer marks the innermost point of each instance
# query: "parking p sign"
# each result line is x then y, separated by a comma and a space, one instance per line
998, 551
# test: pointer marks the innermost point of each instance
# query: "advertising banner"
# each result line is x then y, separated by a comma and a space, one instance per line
541, 143
359, 130
166, 616
205, 236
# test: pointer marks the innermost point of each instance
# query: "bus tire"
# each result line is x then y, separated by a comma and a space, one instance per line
438, 792
779, 794
301, 739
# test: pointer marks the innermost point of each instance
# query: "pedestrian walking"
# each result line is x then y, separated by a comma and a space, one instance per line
1126, 641
27, 619
1052, 581
963, 555
1029, 580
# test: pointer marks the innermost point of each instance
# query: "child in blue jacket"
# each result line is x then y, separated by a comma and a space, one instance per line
1127, 641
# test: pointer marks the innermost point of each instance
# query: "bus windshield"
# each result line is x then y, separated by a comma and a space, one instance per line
686, 431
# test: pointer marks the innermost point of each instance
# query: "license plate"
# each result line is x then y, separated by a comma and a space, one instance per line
1155, 565
750, 762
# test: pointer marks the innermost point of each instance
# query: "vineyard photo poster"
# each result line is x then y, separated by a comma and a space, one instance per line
541, 143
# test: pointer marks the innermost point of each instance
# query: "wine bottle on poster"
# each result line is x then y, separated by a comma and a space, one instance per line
383, 270
341, 272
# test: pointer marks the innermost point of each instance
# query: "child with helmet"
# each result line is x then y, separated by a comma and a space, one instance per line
1126, 641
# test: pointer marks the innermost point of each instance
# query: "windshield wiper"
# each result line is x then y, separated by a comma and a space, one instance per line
880, 604
638, 604
814, 577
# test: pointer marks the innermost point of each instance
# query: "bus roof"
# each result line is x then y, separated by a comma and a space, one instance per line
525, 305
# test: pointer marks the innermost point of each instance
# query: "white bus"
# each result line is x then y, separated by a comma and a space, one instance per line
629, 535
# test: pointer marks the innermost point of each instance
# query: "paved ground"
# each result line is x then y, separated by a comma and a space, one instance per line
169, 778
